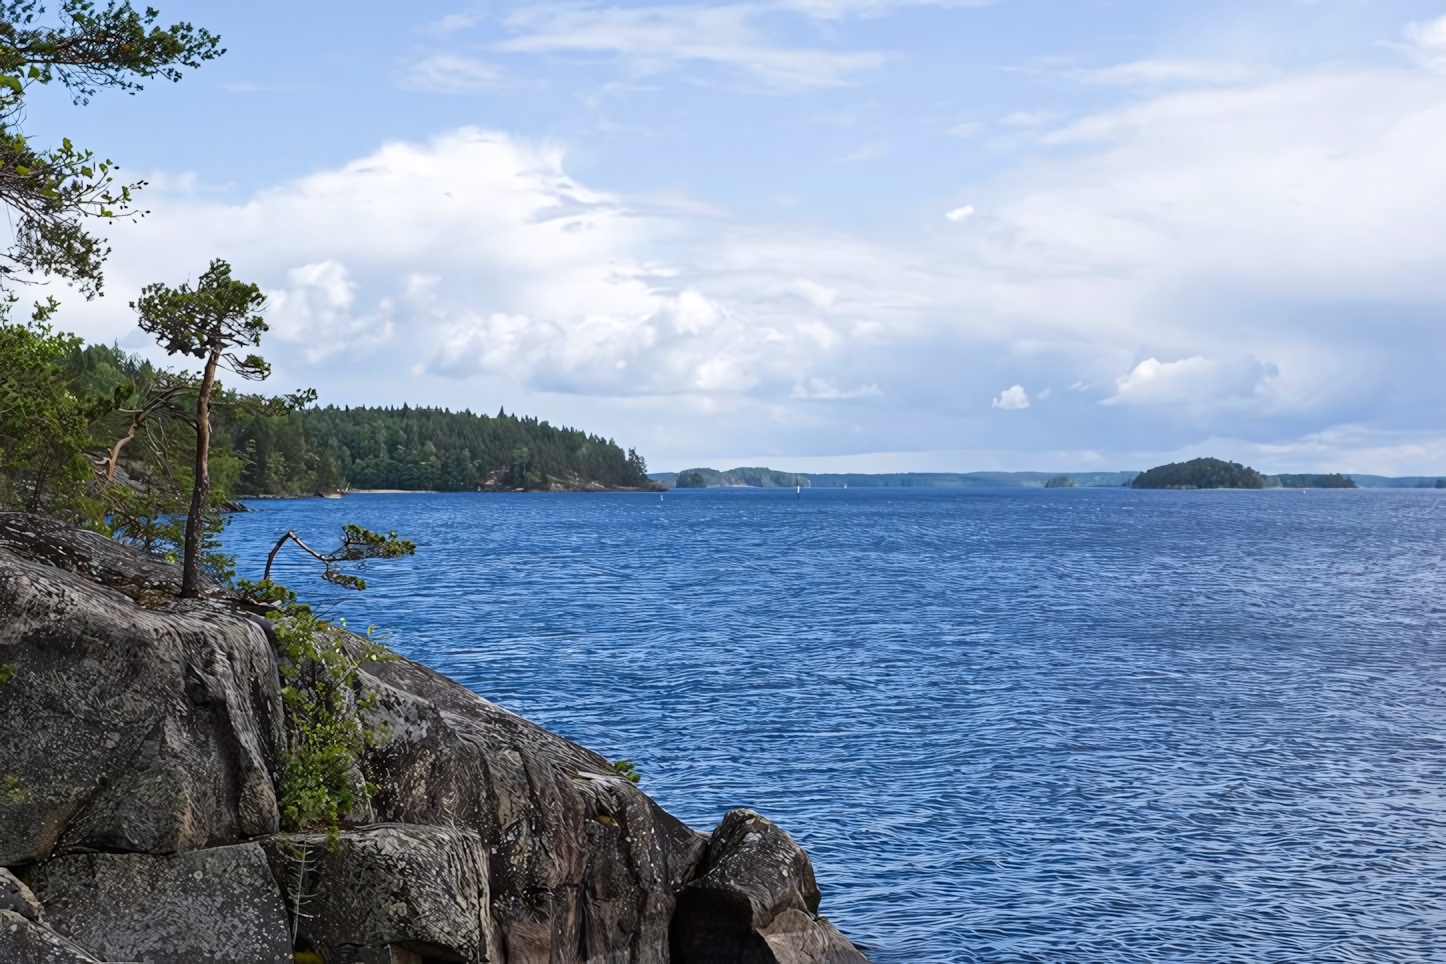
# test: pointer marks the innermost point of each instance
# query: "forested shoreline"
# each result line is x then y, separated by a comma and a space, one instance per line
107, 439
338, 448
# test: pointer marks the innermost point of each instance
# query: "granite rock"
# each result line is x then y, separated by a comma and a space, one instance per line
131, 728
25, 941
219, 905
374, 890
755, 901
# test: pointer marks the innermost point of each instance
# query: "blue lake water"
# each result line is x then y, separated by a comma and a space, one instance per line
1008, 725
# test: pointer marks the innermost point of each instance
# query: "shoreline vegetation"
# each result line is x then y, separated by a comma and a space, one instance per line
758, 477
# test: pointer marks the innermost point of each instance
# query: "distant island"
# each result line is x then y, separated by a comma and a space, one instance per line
743, 477
1210, 473
772, 478
1200, 474
1207, 473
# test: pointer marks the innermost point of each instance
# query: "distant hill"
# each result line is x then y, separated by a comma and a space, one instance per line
771, 478
934, 480
1200, 474
1332, 481
1402, 482
743, 477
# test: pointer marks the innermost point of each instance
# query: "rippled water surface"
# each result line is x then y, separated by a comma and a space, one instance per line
1008, 725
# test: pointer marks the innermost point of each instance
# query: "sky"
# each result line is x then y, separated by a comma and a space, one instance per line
823, 235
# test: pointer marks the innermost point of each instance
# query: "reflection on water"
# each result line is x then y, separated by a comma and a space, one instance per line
1008, 725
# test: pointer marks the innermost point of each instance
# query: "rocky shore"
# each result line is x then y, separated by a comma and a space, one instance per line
139, 817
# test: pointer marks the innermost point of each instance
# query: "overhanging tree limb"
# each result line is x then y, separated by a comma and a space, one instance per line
357, 545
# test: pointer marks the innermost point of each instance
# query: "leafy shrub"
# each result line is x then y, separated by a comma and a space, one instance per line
328, 732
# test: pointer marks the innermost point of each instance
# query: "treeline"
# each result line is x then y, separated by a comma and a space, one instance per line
1218, 474
1200, 474
335, 448
101, 437
744, 476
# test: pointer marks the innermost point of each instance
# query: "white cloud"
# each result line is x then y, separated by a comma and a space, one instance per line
839, 9
960, 214
1155, 72
1194, 382
1292, 218
1428, 42
451, 74
652, 38
821, 389
1028, 118
314, 310
1011, 399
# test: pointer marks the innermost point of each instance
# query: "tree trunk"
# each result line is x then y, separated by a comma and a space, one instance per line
201, 490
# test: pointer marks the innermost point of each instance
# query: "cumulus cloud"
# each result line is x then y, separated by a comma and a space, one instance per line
960, 214
1163, 254
1194, 382
1011, 399
315, 311
1427, 41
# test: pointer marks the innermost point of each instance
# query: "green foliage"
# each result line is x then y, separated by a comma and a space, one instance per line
752, 476
321, 774
7, 673
1060, 482
10, 786
50, 192
206, 321
44, 420
420, 448
357, 545
1200, 474
628, 769
690, 480
1333, 480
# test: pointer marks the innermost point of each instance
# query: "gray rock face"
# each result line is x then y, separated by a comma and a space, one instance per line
151, 732
582, 865
217, 905
755, 902
132, 729
419, 889
15, 896
25, 941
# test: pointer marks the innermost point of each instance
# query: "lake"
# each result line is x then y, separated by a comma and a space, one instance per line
1008, 725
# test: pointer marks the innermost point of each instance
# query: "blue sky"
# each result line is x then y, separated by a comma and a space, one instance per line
826, 234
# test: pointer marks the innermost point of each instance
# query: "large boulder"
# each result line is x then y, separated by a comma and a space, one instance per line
582, 864
129, 728
755, 901
376, 890
26, 941
218, 905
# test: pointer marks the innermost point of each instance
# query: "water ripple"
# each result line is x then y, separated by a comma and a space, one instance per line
1010, 725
